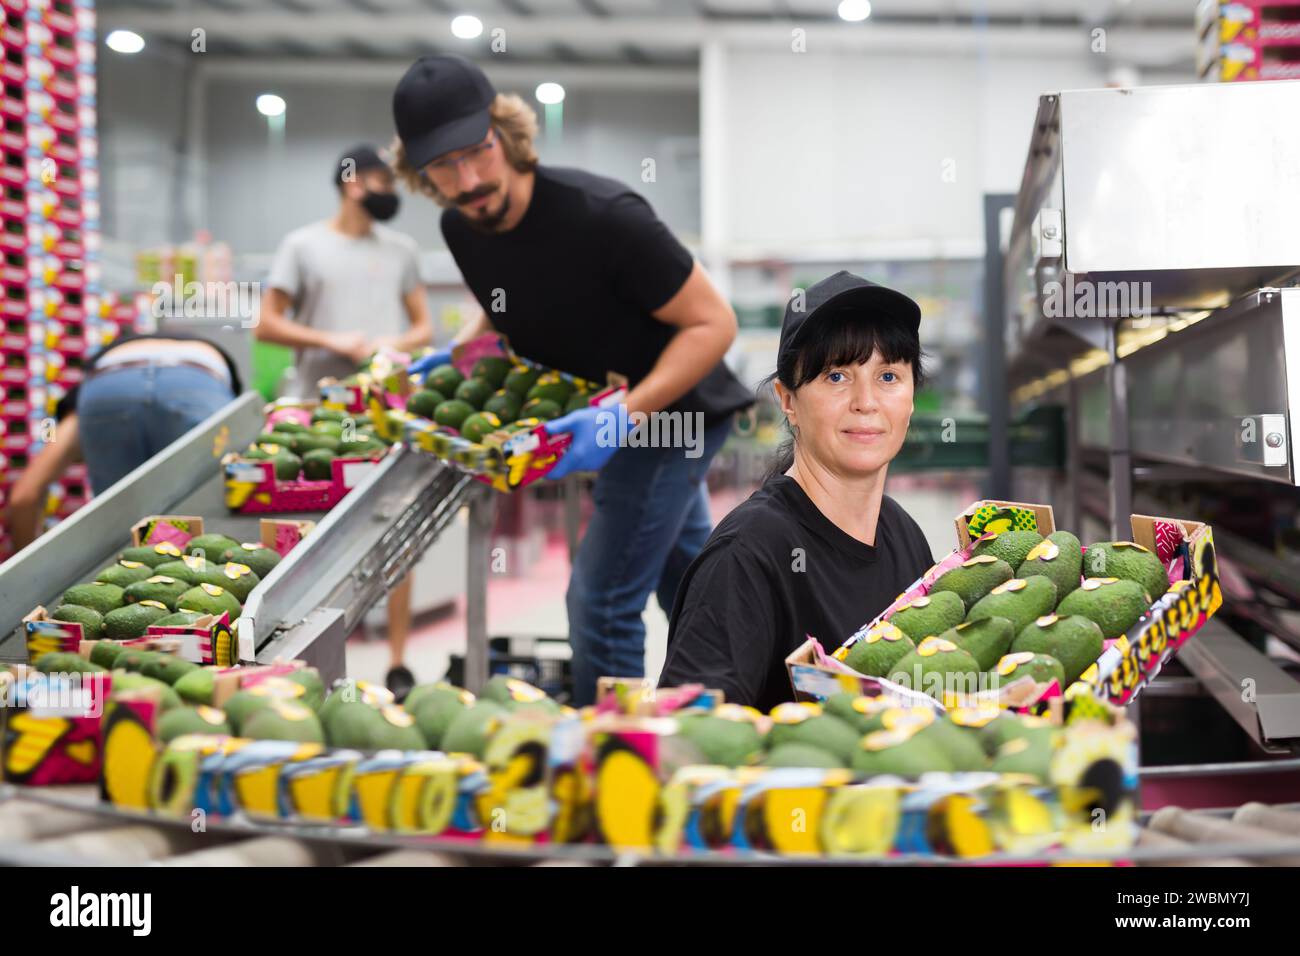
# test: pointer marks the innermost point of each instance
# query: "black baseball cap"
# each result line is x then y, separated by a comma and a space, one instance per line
844, 291
358, 158
440, 105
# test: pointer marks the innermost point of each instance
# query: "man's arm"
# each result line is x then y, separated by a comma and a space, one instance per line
276, 327
26, 507
706, 327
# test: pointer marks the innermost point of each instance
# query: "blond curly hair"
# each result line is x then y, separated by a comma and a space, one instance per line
516, 125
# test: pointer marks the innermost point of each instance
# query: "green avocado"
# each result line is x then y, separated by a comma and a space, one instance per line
1112, 604
452, 413
191, 568
728, 743
317, 465
961, 746
471, 729
1009, 546
151, 554
861, 712
243, 704
1009, 726
323, 414
504, 404
160, 587
63, 662
828, 732
132, 621
98, 597
936, 667
974, 578
424, 401
1019, 600
1031, 755
180, 721
1074, 641
168, 668
209, 599
876, 652
551, 387
254, 555
395, 730
578, 400
210, 546
986, 640
255, 453
362, 448
445, 379
179, 619
284, 720
289, 426
106, 653
123, 573
287, 465
305, 444
126, 682
1043, 668
903, 752
520, 379
479, 424
332, 429
801, 755
133, 660
473, 391
542, 408
91, 621
1058, 557
928, 615
492, 369
1127, 561
435, 708
308, 678
196, 687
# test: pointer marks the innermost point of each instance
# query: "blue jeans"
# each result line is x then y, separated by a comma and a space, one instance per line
126, 416
651, 519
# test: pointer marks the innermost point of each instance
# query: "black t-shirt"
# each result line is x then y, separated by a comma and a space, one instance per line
774, 572
68, 403
574, 284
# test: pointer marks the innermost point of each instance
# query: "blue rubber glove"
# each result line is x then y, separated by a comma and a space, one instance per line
597, 434
429, 362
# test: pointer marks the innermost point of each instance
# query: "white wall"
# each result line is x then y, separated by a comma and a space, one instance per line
845, 151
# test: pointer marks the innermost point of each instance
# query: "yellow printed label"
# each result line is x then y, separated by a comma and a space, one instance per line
884, 631
1130, 544
397, 716
157, 604
973, 717
898, 717
1013, 747
884, 739
868, 705
795, 712
167, 548
211, 715
194, 562
251, 545
1043, 551
1015, 584
978, 559
919, 602
1047, 620
236, 571
1091, 584
933, 645
739, 712
291, 710
277, 687
160, 579
213, 589
131, 564
524, 692
1010, 662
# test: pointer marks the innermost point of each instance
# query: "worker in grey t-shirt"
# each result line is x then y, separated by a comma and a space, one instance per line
352, 286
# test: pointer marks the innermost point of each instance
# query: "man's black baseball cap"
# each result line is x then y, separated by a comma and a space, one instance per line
843, 291
440, 105
357, 159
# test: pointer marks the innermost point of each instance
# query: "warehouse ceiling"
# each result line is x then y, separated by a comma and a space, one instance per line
643, 33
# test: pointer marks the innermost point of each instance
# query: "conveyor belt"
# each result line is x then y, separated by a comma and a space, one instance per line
68, 826
310, 602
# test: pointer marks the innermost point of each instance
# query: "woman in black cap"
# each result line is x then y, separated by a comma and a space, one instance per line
819, 549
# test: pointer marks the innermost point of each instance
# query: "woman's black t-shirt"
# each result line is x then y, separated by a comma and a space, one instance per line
774, 572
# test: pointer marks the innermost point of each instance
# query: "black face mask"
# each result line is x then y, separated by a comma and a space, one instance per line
381, 206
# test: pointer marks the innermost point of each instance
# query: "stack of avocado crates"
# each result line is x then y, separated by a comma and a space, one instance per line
54, 310
1021, 613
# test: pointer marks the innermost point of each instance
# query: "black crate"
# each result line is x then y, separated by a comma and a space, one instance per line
516, 657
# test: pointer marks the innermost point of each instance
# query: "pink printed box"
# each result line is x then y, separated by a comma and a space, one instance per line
1126, 665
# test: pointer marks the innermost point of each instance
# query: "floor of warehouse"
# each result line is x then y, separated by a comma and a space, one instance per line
533, 604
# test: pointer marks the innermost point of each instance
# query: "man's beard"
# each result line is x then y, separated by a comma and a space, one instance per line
489, 222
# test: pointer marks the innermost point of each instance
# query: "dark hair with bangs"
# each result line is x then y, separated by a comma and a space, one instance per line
844, 337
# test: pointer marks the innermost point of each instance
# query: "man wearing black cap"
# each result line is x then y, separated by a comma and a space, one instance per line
819, 550
581, 275
351, 283
353, 286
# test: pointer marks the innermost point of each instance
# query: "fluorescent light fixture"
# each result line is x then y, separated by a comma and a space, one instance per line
268, 104
854, 11
124, 41
466, 27
550, 93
